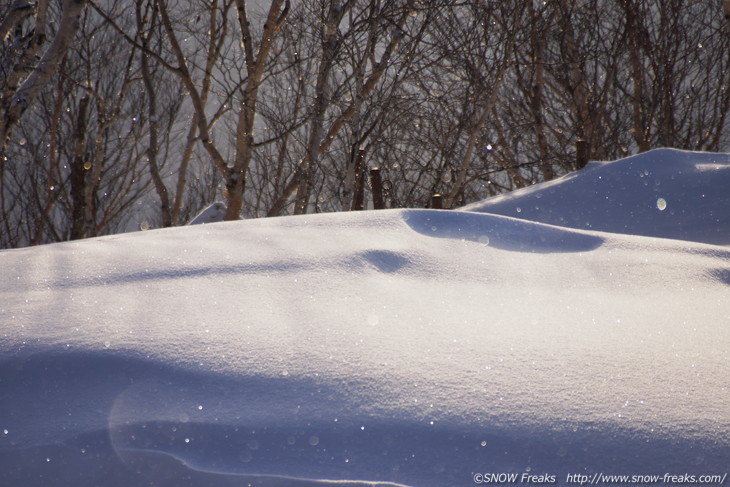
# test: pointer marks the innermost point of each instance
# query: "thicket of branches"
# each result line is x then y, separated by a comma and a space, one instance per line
120, 114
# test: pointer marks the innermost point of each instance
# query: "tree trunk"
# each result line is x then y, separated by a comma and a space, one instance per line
53, 150
196, 98
639, 129
537, 48
79, 170
474, 133
153, 147
236, 183
44, 70
305, 172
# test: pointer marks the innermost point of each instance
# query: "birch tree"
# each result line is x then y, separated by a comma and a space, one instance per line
22, 84
366, 70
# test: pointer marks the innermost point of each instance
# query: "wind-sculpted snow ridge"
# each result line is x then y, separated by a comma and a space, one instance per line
661, 193
409, 348
500, 232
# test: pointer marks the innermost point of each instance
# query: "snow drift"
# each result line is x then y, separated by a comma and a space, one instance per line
400, 347
661, 193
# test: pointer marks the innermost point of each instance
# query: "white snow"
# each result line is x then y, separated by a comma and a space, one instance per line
408, 347
213, 213
661, 193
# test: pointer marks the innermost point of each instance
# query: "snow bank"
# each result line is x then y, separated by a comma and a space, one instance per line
662, 193
401, 347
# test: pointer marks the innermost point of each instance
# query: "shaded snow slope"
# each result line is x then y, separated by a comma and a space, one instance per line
213, 213
663, 193
410, 347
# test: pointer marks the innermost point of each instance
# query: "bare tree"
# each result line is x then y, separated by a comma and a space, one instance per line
81, 145
160, 107
508, 23
21, 87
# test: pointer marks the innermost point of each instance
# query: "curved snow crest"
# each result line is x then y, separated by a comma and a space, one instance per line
500, 232
153, 460
74, 467
665, 193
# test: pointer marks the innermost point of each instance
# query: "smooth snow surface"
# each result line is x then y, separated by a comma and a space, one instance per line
400, 347
662, 193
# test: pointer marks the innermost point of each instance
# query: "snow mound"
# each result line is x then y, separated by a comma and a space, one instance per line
661, 193
412, 348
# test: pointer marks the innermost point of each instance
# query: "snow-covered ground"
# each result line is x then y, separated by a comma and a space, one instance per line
661, 193
408, 347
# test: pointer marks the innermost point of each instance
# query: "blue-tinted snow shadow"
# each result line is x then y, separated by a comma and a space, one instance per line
500, 232
379, 260
113, 278
100, 465
386, 454
721, 275
83, 418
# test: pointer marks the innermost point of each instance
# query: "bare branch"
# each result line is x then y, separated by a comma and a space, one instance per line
17, 13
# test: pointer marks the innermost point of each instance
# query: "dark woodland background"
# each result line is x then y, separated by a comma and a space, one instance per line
124, 114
